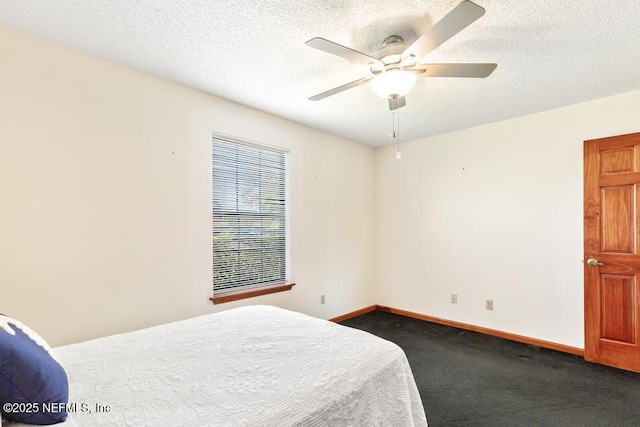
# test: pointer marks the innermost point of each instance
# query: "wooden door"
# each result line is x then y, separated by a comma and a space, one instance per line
611, 227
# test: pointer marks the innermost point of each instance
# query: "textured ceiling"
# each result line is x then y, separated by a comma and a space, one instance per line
550, 53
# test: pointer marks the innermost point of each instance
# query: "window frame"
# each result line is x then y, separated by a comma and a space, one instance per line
251, 290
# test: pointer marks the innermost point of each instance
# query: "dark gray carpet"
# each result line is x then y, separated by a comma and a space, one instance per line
470, 379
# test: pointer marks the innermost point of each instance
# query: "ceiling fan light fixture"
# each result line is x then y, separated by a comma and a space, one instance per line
394, 67
393, 82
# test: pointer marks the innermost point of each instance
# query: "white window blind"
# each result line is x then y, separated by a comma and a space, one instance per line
249, 224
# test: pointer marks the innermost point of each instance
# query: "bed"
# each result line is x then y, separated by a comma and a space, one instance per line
249, 366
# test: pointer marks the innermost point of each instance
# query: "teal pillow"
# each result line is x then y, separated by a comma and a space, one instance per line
33, 386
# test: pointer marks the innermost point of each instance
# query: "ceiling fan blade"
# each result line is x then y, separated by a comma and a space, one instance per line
339, 89
396, 102
457, 70
342, 51
455, 21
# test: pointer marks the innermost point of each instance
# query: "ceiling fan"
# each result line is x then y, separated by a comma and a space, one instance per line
394, 67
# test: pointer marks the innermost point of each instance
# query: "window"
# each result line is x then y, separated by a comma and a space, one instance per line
249, 220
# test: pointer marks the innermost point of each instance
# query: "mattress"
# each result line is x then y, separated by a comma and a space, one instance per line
250, 366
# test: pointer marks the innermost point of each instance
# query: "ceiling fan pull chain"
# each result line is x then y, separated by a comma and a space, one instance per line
395, 134
392, 135
398, 153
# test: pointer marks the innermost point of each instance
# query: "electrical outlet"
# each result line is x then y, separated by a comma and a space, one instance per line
454, 298
322, 299
489, 304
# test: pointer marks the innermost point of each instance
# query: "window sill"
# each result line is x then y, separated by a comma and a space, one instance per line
250, 293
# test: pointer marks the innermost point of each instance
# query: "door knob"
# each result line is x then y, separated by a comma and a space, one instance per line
594, 262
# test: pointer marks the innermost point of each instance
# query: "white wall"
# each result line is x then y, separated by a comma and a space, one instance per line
105, 198
493, 212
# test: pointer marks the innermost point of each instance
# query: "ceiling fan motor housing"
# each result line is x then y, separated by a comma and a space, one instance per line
390, 54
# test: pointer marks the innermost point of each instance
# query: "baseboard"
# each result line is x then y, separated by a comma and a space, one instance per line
486, 331
500, 334
354, 314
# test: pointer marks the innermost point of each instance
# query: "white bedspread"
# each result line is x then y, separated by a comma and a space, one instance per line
250, 366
